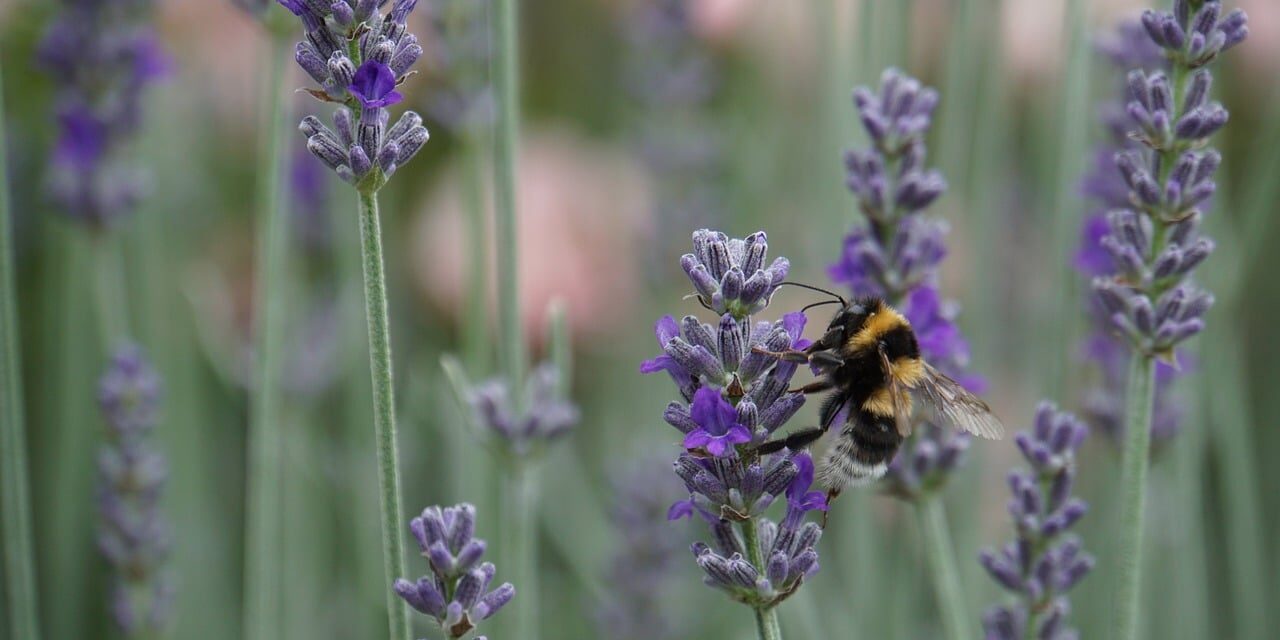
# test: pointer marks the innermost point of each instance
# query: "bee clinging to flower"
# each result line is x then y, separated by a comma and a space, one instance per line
870, 360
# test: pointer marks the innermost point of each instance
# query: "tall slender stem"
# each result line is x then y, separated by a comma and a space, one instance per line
942, 566
1140, 394
475, 330
506, 80
20, 579
1073, 117
519, 503
384, 410
263, 578
109, 289
767, 626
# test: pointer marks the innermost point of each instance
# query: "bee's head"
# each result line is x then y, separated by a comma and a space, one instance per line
848, 321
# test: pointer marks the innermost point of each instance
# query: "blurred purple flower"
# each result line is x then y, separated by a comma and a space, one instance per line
102, 58
896, 253
523, 428
133, 534
645, 555
459, 50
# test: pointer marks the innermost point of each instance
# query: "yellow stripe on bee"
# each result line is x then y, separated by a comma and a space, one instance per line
880, 404
908, 371
884, 320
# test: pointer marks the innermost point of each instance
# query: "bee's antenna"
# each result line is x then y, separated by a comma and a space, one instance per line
818, 289
819, 304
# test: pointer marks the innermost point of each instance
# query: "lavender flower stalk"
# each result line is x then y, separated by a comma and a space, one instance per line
1150, 297
1045, 562
102, 58
1129, 47
456, 594
358, 56
895, 254
133, 536
736, 399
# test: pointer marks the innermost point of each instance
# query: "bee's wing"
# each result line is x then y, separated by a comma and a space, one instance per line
901, 412
950, 403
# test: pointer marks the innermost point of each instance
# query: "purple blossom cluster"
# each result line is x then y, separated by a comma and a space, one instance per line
459, 50
1128, 47
524, 425
895, 254
102, 56
133, 534
456, 594
733, 399
358, 56
1045, 561
673, 77
1153, 241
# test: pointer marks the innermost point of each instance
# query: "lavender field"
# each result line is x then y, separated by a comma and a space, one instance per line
639, 319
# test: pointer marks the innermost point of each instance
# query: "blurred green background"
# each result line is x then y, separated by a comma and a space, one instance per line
1019, 81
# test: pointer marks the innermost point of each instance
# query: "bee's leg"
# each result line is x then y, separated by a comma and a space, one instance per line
826, 359
796, 441
817, 386
805, 437
832, 494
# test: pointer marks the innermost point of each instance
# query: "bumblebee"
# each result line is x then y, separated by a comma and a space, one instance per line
870, 360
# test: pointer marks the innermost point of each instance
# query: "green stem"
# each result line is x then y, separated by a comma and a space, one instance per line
767, 627
384, 411
1075, 118
263, 591
519, 498
942, 566
20, 580
475, 325
1137, 445
109, 290
506, 80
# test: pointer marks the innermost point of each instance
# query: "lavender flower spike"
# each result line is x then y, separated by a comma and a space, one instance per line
731, 276
133, 535
361, 148
526, 427
734, 399
896, 253
1045, 562
102, 60
1148, 296
446, 537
